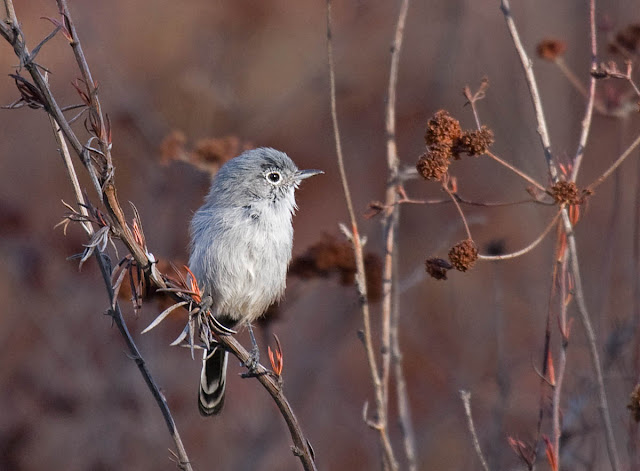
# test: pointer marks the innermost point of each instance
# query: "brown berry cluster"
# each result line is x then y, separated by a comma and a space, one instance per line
567, 193
626, 41
462, 257
445, 141
551, 49
333, 255
634, 403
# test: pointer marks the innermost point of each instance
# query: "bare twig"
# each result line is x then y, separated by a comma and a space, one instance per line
466, 401
558, 379
593, 346
588, 114
568, 228
607, 173
107, 192
533, 89
390, 344
516, 171
472, 98
380, 423
528, 248
445, 187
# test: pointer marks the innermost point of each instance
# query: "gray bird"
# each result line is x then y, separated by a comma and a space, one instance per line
241, 241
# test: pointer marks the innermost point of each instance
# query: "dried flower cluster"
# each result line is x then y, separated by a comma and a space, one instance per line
331, 255
626, 41
462, 257
207, 154
475, 143
442, 129
437, 268
551, 49
634, 403
434, 163
445, 141
564, 192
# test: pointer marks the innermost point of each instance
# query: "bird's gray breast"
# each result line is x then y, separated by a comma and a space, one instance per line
243, 256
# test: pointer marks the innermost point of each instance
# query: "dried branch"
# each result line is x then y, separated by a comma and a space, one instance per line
533, 89
466, 401
380, 422
105, 187
607, 173
516, 171
528, 248
588, 114
568, 229
390, 344
558, 378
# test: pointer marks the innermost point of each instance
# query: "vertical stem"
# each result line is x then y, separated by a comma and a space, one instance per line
391, 351
568, 228
543, 131
603, 406
466, 401
380, 424
586, 122
562, 358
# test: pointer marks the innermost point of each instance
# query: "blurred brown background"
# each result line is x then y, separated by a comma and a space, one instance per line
71, 398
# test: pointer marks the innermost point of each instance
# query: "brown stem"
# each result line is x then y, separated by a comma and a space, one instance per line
588, 114
445, 186
380, 423
568, 228
562, 359
11, 32
466, 401
516, 171
528, 248
607, 173
390, 344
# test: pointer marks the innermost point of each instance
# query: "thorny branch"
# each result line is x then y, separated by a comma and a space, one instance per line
98, 163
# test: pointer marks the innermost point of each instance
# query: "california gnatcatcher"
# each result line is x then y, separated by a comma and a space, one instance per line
241, 241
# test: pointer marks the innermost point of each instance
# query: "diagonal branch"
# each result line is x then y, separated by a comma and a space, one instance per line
105, 187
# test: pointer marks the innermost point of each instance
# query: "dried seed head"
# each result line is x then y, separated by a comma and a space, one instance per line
463, 255
442, 129
437, 268
634, 403
333, 255
551, 49
216, 150
627, 39
475, 143
173, 146
434, 164
565, 192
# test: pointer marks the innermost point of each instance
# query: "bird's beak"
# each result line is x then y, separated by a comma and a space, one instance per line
302, 174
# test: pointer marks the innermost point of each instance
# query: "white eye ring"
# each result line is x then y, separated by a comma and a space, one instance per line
273, 177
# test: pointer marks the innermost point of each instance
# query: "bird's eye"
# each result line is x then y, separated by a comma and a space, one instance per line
273, 177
